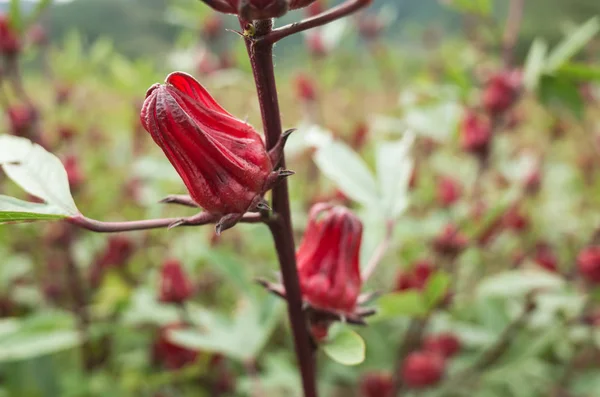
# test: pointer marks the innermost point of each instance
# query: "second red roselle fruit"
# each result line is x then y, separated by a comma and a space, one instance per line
328, 259
222, 160
251, 10
175, 286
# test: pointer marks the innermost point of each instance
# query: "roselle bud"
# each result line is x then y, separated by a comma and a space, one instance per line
175, 286
423, 369
450, 242
533, 181
475, 133
545, 257
515, 220
448, 191
117, 253
416, 277
501, 91
74, 173
376, 384
10, 43
306, 89
22, 119
360, 136
170, 355
446, 344
588, 264
222, 160
328, 259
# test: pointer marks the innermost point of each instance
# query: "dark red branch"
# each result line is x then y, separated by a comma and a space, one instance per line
261, 59
324, 18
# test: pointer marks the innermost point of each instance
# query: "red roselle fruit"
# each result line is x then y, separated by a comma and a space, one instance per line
328, 259
415, 278
445, 344
22, 119
315, 44
74, 173
448, 191
423, 369
10, 42
515, 220
376, 384
175, 286
450, 242
306, 89
545, 257
588, 264
250, 10
475, 133
170, 355
222, 160
501, 91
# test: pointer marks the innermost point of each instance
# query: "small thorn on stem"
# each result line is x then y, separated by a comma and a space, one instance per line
263, 205
285, 173
227, 222
179, 199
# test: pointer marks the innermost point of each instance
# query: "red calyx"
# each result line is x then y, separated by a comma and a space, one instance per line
415, 278
328, 259
501, 91
169, 354
306, 89
376, 384
446, 344
423, 369
448, 191
10, 42
475, 133
588, 264
175, 286
451, 241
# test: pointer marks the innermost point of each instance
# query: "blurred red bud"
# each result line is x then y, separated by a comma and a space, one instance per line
475, 133
416, 277
501, 91
423, 369
306, 89
545, 257
450, 242
10, 42
448, 191
376, 384
170, 355
175, 286
447, 344
588, 264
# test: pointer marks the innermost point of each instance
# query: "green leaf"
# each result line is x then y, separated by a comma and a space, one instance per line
401, 304
579, 72
348, 171
41, 174
555, 91
572, 44
346, 347
534, 65
394, 167
517, 283
436, 289
15, 15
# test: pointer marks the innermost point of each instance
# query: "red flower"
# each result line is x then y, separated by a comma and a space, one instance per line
545, 257
588, 263
450, 242
22, 118
446, 344
306, 89
175, 287
422, 369
501, 91
376, 384
222, 160
328, 258
257, 9
416, 278
10, 43
169, 354
475, 133
448, 191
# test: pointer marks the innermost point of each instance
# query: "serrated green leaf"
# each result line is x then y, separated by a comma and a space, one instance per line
535, 64
401, 304
15, 210
346, 347
436, 289
348, 171
572, 44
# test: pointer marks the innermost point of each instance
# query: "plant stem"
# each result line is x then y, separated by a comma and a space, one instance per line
511, 31
261, 59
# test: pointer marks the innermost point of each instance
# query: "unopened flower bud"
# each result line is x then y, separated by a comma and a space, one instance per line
475, 133
376, 384
448, 191
423, 369
446, 344
588, 264
501, 91
175, 287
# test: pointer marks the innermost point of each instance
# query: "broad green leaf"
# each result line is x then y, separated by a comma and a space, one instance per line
436, 289
534, 65
394, 167
348, 171
15, 15
556, 91
346, 347
15, 210
515, 283
38, 344
579, 72
38, 172
401, 304
572, 44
